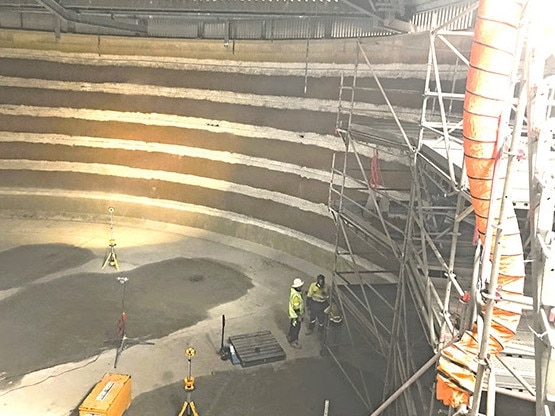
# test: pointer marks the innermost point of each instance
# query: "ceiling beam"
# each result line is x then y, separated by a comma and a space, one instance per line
53, 6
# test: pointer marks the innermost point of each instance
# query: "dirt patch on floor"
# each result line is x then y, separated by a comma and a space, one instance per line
25, 264
297, 387
73, 317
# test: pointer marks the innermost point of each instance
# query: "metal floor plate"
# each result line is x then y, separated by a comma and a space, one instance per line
257, 348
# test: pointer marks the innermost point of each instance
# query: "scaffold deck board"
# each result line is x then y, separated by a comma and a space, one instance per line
257, 348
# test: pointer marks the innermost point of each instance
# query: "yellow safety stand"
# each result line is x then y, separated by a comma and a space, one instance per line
189, 407
111, 256
190, 380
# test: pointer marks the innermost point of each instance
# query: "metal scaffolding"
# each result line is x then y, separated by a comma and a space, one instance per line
538, 95
408, 263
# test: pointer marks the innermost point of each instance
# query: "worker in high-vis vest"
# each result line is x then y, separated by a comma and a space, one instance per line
296, 311
335, 320
317, 300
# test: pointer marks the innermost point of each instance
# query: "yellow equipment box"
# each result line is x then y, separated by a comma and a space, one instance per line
110, 397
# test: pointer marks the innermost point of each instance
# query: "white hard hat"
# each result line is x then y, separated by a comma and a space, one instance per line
297, 283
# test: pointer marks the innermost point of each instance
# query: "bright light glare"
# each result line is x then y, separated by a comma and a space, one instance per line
542, 28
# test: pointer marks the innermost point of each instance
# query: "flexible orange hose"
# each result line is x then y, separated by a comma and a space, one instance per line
488, 84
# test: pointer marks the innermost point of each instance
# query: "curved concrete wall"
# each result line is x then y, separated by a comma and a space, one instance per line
237, 140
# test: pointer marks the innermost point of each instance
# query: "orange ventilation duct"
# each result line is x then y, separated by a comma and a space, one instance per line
488, 85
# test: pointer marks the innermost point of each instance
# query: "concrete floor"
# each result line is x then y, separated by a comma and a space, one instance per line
59, 309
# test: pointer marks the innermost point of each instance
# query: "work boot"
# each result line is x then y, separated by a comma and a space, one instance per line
296, 344
309, 331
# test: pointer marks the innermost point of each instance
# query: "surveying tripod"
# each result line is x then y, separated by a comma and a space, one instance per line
121, 330
189, 408
111, 256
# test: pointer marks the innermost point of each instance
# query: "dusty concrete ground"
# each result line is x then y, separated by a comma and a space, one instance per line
59, 309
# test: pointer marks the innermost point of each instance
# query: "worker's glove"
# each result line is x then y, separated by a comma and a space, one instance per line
294, 321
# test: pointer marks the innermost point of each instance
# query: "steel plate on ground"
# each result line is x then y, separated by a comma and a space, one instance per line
257, 348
